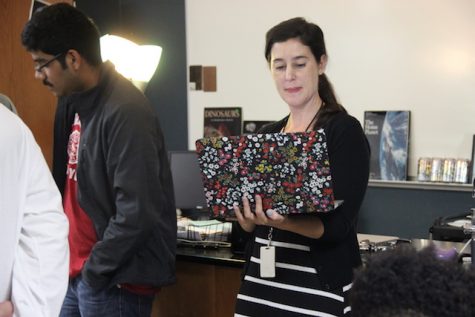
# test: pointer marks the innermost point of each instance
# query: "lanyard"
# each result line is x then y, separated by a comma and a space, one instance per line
269, 236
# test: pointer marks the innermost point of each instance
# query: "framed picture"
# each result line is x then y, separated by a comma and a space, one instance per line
225, 121
388, 136
36, 5
252, 126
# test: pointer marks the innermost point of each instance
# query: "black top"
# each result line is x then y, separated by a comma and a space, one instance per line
313, 276
336, 253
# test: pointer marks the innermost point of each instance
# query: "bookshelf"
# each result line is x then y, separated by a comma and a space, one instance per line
410, 184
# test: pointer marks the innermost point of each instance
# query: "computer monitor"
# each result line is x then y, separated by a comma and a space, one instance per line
187, 183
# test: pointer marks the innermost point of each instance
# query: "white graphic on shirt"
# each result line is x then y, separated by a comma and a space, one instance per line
73, 146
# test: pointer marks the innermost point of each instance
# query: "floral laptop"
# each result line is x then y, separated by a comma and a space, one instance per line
291, 172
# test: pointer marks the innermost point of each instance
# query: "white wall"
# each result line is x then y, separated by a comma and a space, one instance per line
416, 55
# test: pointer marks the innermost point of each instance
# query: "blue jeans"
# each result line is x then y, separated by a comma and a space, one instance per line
83, 301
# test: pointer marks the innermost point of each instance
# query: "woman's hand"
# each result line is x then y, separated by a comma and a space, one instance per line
6, 309
248, 219
307, 225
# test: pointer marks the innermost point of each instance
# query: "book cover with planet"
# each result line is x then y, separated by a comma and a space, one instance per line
388, 135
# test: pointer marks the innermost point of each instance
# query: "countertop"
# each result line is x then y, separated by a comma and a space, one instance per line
224, 256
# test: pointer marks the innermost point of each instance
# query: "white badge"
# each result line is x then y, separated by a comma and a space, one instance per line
268, 261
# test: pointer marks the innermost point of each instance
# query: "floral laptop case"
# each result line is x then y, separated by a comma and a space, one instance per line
291, 172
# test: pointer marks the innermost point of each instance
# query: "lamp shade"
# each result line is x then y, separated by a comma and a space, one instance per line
135, 62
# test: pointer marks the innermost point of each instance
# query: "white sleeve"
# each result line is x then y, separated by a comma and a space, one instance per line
40, 271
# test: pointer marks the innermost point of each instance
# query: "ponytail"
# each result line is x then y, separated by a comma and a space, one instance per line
330, 104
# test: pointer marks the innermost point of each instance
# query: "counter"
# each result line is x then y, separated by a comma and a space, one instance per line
208, 279
207, 284
220, 256
411, 184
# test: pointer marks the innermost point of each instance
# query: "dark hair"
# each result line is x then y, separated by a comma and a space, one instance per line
60, 27
405, 282
312, 36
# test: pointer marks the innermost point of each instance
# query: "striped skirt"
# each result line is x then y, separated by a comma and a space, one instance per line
295, 290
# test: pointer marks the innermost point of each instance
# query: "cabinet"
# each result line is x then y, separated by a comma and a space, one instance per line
202, 290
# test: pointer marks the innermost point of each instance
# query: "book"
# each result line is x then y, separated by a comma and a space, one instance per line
252, 126
225, 121
388, 136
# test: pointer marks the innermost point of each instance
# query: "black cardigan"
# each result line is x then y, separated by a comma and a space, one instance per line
336, 253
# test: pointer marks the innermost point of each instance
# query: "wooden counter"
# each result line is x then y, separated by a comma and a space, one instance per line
207, 284
208, 280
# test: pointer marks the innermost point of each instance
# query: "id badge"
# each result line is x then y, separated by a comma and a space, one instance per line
267, 261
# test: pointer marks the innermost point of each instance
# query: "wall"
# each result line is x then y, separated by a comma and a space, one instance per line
158, 22
391, 55
409, 213
379, 59
35, 103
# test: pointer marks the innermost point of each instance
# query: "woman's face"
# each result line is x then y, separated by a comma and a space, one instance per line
295, 72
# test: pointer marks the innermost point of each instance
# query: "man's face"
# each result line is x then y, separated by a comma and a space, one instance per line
48, 68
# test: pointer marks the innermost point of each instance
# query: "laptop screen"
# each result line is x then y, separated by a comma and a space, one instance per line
187, 183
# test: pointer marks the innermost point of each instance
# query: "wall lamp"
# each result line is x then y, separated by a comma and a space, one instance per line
135, 62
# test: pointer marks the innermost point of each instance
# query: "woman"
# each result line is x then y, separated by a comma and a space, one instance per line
315, 254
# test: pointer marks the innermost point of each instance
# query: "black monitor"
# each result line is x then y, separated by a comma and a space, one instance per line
187, 183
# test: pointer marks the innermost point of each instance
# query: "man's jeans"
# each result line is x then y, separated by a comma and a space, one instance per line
82, 301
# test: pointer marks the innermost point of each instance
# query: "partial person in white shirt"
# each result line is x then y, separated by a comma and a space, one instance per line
9, 104
34, 229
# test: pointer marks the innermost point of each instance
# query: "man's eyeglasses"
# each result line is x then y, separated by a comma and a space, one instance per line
40, 68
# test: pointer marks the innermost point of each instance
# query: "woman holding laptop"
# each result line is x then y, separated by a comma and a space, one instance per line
303, 264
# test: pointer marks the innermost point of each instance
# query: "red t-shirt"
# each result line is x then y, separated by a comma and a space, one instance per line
82, 235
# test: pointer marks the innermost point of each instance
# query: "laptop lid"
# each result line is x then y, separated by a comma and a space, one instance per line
291, 172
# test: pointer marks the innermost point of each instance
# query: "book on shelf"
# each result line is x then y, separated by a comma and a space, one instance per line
224, 121
388, 136
252, 126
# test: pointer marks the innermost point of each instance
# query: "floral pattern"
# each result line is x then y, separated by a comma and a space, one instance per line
290, 171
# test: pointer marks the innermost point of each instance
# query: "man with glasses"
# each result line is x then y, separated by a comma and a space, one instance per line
111, 166
44, 64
